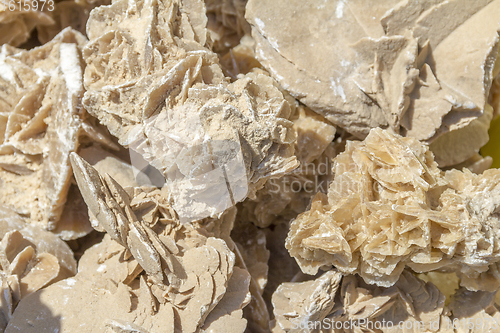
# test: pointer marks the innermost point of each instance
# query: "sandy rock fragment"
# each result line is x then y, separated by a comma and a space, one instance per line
389, 206
476, 164
410, 301
184, 268
296, 304
176, 108
491, 148
41, 122
279, 201
474, 312
30, 259
109, 260
287, 55
74, 222
394, 67
351, 306
68, 306
314, 135
285, 197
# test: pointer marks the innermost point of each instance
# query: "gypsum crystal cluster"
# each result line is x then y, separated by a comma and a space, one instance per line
390, 207
171, 82
30, 259
421, 68
160, 89
41, 122
188, 273
347, 305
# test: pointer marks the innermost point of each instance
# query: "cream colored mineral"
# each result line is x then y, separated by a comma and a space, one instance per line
30, 259
109, 260
447, 283
253, 255
240, 59
282, 267
20, 19
422, 68
41, 122
350, 306
389, 206
152, 80
251, 242
80, 304
285, 197
105, 162
184, 268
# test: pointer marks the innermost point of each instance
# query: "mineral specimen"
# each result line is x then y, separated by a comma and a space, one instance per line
393, 66
347, 305
30, 259
389, 207
151, 79
186, 270
41, 116
285, 197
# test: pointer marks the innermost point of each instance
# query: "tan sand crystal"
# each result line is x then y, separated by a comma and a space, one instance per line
287, 196
30, 259
41, 123
348, 305
422, 68
192, 273
41, 104
297, 304
389, 206
176, 108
